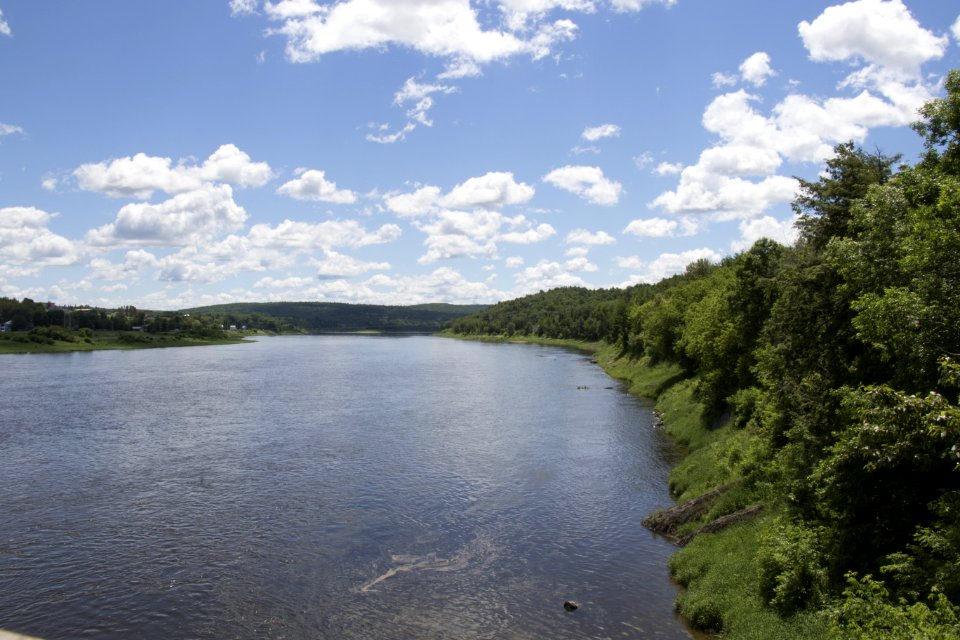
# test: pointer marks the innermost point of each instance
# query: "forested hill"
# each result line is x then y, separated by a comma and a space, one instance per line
337, 317
828, 376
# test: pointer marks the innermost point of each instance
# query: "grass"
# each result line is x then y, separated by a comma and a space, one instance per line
581, 345
719, 571
22, 342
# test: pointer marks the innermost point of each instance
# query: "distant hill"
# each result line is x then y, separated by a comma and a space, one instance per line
337, 316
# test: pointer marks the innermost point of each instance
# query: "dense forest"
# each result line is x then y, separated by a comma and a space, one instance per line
314, 317
833, 364
275, 317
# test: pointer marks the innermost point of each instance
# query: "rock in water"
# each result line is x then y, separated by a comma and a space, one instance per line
570, 605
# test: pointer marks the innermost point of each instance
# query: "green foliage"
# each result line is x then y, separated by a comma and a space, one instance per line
866, 612
817, 375
791, 571
333, 316
719, 572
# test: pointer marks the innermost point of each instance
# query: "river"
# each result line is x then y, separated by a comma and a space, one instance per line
329, 487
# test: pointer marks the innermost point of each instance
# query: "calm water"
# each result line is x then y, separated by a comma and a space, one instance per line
329, 487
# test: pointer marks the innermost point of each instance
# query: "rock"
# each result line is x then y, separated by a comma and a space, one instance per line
570, 605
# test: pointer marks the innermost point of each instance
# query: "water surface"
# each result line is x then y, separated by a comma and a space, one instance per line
329, 487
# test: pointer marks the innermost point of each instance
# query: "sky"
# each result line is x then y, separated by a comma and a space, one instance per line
182, 153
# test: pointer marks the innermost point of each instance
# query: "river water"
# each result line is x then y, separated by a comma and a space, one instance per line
329, 487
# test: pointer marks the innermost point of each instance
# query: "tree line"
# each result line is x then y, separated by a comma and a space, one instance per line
838, 358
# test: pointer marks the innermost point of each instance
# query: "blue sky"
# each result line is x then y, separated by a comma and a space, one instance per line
178, 153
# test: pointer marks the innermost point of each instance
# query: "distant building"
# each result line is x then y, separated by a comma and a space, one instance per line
6, 326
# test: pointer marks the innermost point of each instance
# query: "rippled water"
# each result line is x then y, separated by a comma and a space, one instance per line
329, 487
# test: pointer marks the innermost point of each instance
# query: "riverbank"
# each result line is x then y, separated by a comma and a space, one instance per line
60, 341
720, 571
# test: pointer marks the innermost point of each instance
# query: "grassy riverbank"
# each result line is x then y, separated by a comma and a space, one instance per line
720, 572
60, 341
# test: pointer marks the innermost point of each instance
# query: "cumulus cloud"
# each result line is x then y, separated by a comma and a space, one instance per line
26, 240
955, 29
466, 222
448, 28
494, 190
312, 184
338, 265
4, 26
668, 168
664, 266
593, 134
782, 231
588, 183
140, 175
191, 217
736, 177
582, 236
423, 201
545, 275
879, 32
756, 69
513, 262
306, 236
661, 227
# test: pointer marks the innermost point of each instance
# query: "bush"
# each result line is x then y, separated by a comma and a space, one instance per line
791, 569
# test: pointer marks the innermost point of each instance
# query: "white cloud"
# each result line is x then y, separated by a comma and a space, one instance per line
545, 275
231, 165
441, 285
664, 266
756, 69
658, 228
4, 26
338, 265
139, 176
243, 7
637, 5
135, 262
643, 160
390, 138
514, 262
880, 32
519, 13
186, 218
725, 197
720, 79
305, 236
9, 129
668, 168
593, 134
955, 29
291, 282
530, 236
740, 160
413, 91
26, 240
291, 9
782, 231
445, 28
587, 182
582, 236
417, 203
312, 184
493, 190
